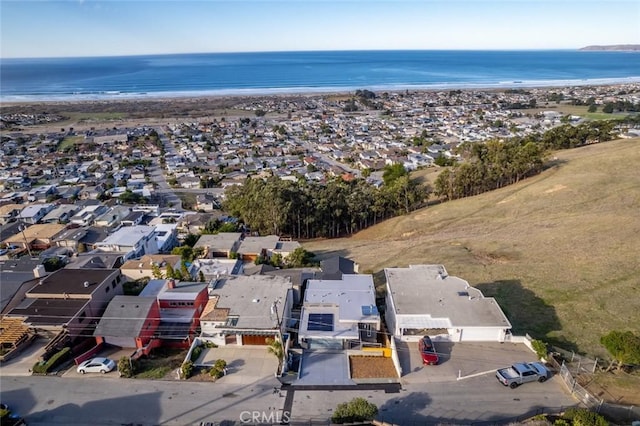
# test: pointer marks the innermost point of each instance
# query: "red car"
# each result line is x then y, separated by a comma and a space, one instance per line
428, 351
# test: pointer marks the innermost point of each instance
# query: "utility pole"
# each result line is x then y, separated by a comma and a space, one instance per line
26, 243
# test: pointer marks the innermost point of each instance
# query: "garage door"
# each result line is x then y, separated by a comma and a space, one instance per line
480, 335
252, 340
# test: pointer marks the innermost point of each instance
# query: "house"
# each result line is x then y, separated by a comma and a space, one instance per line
95, 260
88, 214
70, 238
207, 202
9, 212
181, 304
339, 314
132, 241
246, 310
335, 267
69, 300
253, 247
425, 300
129, 322
133, 218
36, 237
214, 268
219, 245
284, 248
166, 236
113, 217
60, 214
34, 213
144, 267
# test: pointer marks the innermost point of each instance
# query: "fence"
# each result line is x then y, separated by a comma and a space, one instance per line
620, 413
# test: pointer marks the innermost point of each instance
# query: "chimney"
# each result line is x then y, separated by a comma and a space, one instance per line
171, 283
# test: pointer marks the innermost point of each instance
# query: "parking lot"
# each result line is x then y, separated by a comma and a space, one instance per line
459, 360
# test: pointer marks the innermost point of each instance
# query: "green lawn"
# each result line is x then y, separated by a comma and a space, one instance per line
68, 142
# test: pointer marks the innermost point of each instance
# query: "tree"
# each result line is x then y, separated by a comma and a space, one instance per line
299, 257
393, 172
260, 113
607, 108
155, 271
624, 347
191, 239
356, 410
185, 252
592, 108
275, 348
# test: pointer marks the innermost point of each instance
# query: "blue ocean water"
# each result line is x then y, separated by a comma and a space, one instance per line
324, 71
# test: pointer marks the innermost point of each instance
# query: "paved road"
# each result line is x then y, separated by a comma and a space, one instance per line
98, 400
158, 177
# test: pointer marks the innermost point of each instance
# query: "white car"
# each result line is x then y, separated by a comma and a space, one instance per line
96, 365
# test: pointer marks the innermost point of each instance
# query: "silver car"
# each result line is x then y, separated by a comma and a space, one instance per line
96, 365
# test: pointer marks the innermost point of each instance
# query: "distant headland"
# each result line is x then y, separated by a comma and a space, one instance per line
617, 47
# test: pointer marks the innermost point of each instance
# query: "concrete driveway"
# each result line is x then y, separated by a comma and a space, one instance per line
459, 360
245, 364
21, 365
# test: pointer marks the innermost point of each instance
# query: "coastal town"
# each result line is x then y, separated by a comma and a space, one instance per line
113, 243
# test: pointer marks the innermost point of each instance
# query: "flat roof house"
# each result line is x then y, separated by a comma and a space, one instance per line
339, 314
132, 241
219, 245
70, 300
140, 268
426, 300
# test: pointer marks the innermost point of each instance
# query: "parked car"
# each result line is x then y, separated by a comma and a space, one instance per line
428, 351
96, 365
523, 372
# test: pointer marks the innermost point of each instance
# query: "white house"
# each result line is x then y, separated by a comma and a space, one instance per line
339, 314
132, 241
425, 300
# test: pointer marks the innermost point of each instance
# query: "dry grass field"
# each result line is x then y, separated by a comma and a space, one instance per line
559, 251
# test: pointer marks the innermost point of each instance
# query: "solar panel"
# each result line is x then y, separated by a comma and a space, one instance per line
320, 322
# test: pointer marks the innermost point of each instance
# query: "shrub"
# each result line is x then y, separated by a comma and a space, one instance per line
217, 370
57, 359
583, 417
356, 410
195, 353
125, 367
210, 345
540, 348
186, 369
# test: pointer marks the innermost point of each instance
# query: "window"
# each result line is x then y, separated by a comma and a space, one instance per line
113, 284
82, 317
106, 289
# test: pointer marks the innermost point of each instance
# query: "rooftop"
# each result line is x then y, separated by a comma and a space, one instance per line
252, 245
250, 299
350, 294
125, 316
72, 281
127, 236
427, 290
53, 312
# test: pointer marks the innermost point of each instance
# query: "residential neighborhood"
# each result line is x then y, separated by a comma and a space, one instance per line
100, 258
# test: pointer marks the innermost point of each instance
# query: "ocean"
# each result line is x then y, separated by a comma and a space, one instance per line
305, 72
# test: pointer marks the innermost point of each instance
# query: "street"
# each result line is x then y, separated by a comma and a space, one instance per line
90, 400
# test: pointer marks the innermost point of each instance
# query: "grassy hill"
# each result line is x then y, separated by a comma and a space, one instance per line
559, 251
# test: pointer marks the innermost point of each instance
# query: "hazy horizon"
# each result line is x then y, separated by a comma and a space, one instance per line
88, 28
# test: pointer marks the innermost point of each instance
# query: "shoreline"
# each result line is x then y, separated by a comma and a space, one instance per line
234, 94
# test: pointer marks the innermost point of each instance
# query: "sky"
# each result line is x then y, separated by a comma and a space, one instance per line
42, 28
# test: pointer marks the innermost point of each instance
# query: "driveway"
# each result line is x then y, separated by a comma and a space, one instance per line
459, 360
245, 364
324, 368
21, 365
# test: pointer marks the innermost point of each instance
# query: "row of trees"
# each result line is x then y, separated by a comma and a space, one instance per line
309, 210
494, 164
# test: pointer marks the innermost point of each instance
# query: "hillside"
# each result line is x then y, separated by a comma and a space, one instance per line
560, 251
616, 47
